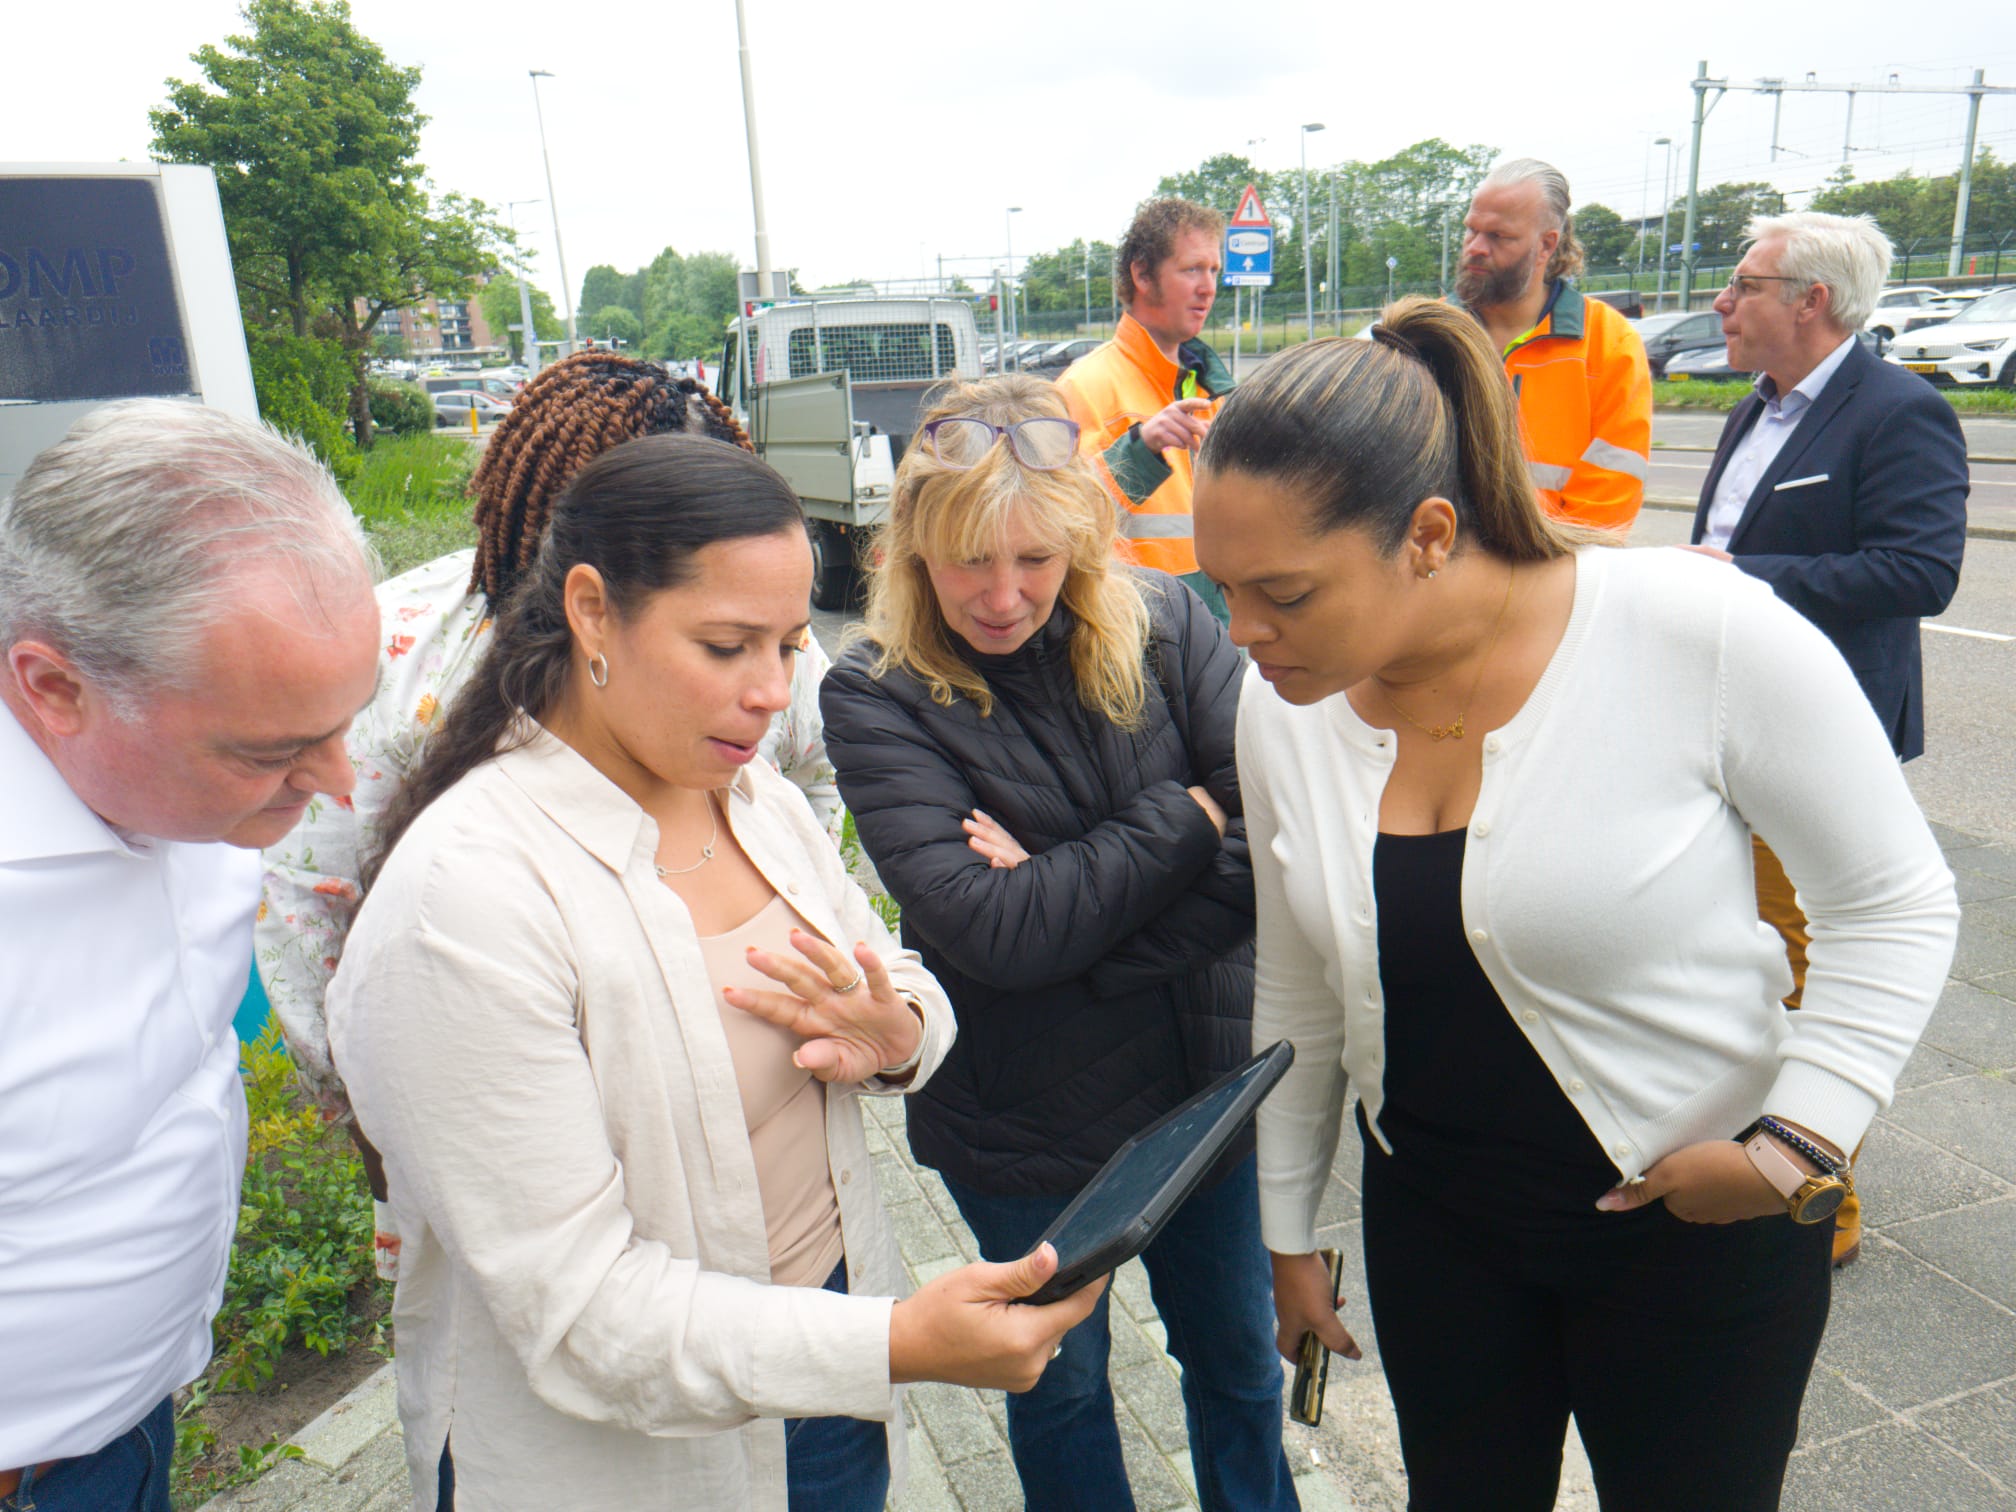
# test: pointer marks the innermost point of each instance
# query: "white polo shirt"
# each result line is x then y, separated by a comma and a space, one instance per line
122, 1119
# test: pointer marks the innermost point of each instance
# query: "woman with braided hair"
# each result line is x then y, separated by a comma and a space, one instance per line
436, 620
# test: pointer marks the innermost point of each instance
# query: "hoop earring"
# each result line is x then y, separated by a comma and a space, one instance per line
598, 670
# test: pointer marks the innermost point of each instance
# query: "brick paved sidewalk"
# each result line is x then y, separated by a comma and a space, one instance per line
1912, 1406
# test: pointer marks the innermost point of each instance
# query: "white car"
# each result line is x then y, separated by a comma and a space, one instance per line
1976, 346
1896, 306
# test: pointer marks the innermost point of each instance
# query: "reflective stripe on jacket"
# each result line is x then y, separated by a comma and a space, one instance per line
1110, 391
1585, 405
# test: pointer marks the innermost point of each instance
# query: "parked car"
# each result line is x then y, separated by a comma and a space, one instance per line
1666, 336
1055, 359
1896, 307
1711, 364
1976, 346
452, 407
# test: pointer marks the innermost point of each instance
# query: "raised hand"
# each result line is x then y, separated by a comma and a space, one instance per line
846, 1011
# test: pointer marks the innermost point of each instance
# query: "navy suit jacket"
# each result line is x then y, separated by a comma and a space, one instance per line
1859, 523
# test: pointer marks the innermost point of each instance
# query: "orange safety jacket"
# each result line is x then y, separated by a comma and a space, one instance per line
1110, 391
1585, 406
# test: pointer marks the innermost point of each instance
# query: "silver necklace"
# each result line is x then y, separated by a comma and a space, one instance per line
706, 851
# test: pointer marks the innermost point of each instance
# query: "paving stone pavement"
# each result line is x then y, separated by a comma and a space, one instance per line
1912, 1406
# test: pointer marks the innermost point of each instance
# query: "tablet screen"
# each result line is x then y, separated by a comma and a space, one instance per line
1130, 1198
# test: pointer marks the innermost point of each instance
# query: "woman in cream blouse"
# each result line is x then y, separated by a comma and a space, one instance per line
610, 988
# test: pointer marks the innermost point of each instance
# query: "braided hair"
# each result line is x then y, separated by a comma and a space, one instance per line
569, 414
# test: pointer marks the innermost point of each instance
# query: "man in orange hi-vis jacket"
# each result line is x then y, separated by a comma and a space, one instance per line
1144, 400
1585, 389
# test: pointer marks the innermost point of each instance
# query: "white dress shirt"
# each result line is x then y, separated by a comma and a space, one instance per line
1608, 885
122, 1120
524, 1018
1759, 448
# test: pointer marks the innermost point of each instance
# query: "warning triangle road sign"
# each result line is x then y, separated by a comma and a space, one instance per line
1251, 211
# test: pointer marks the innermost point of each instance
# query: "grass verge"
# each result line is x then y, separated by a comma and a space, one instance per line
1695, 393
412, 496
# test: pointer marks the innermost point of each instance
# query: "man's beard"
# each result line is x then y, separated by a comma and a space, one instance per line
1485, 288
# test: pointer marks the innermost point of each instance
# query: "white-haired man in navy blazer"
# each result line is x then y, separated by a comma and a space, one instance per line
1842, 482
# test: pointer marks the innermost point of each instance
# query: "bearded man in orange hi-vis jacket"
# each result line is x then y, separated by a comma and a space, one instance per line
1584, 386
1144, 400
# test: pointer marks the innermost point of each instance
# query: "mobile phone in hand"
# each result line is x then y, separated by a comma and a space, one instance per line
1312, 1360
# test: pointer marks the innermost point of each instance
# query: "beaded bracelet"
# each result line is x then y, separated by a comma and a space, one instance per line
1784, 1132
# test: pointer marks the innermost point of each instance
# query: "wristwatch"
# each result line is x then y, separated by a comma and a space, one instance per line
1809, 1198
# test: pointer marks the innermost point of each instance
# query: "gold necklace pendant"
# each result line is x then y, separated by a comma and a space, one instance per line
1447, 731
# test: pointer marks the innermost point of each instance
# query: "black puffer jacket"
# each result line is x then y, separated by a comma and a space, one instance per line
1108, 977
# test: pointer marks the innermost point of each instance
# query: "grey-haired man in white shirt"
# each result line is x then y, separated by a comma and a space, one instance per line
187, 627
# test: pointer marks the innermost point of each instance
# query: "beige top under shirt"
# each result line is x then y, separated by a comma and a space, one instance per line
784, 1104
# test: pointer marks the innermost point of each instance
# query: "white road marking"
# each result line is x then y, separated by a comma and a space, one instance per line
1987, 635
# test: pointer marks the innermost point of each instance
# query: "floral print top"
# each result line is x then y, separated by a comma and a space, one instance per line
434, 631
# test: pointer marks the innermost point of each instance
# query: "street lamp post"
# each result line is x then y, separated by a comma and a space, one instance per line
1014, 330
1308, 281
559, 252
1665, 203
528, 341
763, 289
1088, 282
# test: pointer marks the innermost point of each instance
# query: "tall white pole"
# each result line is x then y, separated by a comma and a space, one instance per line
1014, 326
1308, 269
528, 341
1665, 204
559, 251
763, 288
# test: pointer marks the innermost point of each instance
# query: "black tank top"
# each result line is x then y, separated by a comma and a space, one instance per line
1470, 1107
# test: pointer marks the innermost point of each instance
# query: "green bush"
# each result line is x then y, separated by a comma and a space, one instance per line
304, 389
304, 1232
403, 409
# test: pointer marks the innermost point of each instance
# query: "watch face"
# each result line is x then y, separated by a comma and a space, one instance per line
1822, 1204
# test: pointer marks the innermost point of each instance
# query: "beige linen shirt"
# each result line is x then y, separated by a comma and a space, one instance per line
528, 1032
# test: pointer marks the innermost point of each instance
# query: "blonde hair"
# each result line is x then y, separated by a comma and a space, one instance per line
1365, 430
940, 513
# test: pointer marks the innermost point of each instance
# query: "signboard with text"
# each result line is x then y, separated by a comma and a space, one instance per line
88, 304
115, 283
1249, 244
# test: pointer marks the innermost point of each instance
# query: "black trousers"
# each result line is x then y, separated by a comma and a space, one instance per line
1681, 1349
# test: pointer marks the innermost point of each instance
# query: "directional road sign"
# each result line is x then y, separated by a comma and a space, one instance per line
1249, 244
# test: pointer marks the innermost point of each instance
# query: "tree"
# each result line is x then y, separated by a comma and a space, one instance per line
1217, 183
616, 325
314, 136
1606, 239
501, 310
603, 287
1722, 214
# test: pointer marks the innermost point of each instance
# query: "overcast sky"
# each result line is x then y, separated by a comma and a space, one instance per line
895, 131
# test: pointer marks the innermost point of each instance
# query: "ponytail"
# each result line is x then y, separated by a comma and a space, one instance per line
1568, 258
1365, 430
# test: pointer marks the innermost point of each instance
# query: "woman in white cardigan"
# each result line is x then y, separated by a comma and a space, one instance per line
1500, 798
607, 1011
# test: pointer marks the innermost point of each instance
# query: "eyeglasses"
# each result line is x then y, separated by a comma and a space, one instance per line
1042, 444
1742, 284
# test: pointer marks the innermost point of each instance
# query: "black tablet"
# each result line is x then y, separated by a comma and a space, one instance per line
1125, 1206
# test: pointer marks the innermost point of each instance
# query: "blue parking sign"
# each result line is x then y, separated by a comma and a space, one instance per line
1249, 256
